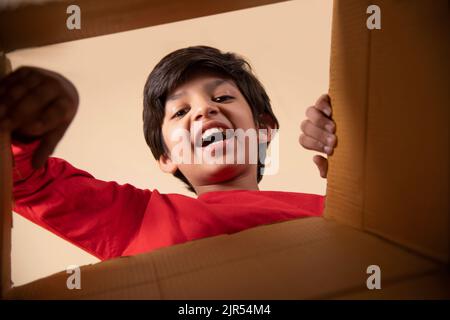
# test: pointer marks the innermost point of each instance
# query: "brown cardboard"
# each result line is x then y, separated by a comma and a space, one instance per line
389, 90
384, 215
5, 197
304, 258
428, 286
349, 46
41, 24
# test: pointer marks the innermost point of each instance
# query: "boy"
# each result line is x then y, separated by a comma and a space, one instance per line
189, 87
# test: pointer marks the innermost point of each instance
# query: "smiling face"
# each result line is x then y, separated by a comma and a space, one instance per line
205, 106
203, 85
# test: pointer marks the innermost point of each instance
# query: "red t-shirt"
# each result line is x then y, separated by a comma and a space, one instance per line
110, 220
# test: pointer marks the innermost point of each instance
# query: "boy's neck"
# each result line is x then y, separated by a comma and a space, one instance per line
243, 182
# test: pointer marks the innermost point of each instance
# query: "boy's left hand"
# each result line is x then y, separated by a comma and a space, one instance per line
318, 132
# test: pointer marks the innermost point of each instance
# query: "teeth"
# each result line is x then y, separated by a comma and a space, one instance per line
212, 135
211, 132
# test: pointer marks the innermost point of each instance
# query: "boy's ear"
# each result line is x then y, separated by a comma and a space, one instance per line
267, 123
167, 165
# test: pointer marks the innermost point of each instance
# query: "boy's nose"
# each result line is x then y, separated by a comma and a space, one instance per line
205, 110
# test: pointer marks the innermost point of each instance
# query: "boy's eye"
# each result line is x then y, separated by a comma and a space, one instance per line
180, 113
222, 98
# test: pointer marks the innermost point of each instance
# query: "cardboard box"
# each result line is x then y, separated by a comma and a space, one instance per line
5, 197
387, 197
389, 90
304, 258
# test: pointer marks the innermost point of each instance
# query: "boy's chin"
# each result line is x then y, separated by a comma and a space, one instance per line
217, 173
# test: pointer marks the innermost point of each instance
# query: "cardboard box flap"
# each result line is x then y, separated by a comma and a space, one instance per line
5, 197
21, 25
348, 93
389, 90
303, 258
406, 185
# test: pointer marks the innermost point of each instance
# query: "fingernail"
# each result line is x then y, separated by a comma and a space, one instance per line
330, 140
327, 111
327, 149
329, 127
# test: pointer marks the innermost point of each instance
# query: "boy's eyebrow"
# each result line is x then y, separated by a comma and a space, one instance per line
208, 87
214, 84
175, 96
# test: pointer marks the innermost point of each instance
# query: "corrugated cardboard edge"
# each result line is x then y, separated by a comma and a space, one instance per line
5, 197
345, 195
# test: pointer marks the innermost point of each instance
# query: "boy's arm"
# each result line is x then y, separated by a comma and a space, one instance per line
319, 132
36, 108
97, 216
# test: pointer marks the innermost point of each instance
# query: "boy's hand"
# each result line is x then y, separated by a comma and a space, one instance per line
37, 104
318, 132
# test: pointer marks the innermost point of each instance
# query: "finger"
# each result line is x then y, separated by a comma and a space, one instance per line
16, 88
322, 164
32, 103
319, 134
323, 104
58, 112
26, 79
47, 146
66, 84
315, 145
17, 74
15, 93
320, 120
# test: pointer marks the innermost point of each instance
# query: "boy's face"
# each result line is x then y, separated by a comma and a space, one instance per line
204, 106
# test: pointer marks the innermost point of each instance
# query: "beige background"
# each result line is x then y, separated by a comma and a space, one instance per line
288, 45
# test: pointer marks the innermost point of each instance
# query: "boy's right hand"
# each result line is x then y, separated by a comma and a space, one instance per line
319, 132
37, 104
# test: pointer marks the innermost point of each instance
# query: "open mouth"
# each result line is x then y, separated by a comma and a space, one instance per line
214, 135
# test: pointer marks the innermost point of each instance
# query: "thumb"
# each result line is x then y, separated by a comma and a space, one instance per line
322, 165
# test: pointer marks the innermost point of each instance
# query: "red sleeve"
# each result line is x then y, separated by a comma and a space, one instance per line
97, 216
